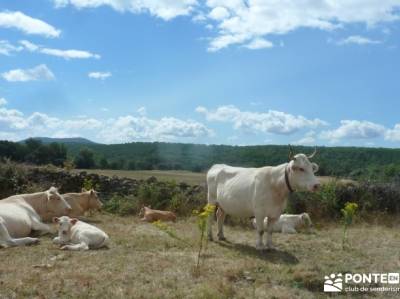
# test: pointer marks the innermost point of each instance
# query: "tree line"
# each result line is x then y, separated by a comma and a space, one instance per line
352, 162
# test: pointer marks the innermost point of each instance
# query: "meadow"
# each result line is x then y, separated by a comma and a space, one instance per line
191, 178
145, 262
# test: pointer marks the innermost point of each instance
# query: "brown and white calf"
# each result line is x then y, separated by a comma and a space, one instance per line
151, 215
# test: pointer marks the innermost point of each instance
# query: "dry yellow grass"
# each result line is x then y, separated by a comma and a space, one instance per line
143, 262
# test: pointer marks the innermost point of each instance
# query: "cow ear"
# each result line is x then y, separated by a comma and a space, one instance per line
315, 167
56, 219
73, 221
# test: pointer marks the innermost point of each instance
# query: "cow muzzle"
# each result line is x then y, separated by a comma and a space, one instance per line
315, 187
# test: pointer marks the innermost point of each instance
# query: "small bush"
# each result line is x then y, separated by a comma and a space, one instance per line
122, 205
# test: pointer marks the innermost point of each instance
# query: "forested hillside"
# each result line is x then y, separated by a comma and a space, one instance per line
354, 162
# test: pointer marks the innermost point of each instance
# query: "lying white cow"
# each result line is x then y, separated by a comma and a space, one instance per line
21, 214
82, 202
288, 223
78, 235
260, 192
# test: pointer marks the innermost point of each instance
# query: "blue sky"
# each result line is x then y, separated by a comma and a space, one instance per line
215, 72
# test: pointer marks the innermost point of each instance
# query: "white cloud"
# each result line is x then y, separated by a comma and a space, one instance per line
142, 111
99, 75
354, 129
308, 139
27, 24
268, 122
219, 13
3, 101
358, 40
393, 134
252, 23
259, 43
6, 48
249, 20
40, 72
69, 54
15, 124
29, 46
66, 54
164, 9
129, 128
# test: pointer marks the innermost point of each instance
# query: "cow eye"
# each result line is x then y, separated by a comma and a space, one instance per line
301, 169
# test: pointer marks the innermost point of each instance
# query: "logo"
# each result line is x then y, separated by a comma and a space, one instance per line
333, 283
393, 278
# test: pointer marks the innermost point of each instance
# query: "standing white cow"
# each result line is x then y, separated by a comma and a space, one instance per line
258, 192
23, 213
81, 234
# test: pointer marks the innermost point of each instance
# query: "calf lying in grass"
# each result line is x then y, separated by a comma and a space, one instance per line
151, 215
288, 224
78, 235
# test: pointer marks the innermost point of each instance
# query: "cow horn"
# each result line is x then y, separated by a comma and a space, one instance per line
291, 154
313, 154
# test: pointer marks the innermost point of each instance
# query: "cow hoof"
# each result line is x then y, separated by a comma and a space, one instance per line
35, 241
260, 247
221, 238
210, 238
270, 247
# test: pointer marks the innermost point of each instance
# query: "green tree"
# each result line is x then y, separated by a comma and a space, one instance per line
85, 159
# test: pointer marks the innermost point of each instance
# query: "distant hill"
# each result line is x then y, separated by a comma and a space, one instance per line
76, 140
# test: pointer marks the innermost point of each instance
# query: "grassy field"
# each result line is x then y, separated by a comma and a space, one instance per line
144, 262
191, 178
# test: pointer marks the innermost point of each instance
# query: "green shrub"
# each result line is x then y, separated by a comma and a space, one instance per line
122, 205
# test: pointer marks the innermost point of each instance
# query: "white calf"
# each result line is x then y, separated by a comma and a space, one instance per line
288, 224
78, 235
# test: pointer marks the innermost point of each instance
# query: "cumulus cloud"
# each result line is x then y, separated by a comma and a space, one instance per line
254, 23
249, 20
99, 75
6, 48
164, 9
27, 24
308, 139
219, 13
354, 129
259, 43
122, 129
266, 122
358, 40
3, 101
129, 128
393, 134
66, 54
40, 72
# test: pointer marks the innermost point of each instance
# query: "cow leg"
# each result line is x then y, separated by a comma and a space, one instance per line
270, 227
260, 231
76, 247
220, 223
7, 241
210, 221
40, 226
